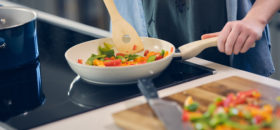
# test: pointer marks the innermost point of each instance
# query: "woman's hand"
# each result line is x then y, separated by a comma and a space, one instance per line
238, 36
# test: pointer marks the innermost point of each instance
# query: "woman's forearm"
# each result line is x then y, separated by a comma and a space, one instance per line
263, 10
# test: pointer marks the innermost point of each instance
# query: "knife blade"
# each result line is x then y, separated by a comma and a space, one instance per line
169, 112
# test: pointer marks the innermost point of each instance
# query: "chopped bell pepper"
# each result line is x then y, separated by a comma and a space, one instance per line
188, 101
192, 107
151, 58
116, 62
80, 61
146, 52
134, 47
185, 116
98, 63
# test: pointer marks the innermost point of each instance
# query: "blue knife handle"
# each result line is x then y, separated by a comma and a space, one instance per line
147, 88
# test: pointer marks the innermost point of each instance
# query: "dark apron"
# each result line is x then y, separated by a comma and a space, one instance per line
183, 21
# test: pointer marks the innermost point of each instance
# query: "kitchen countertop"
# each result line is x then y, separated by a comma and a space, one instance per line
101, 119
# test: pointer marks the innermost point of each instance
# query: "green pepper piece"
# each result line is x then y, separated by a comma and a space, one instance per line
223, 116
218, 99
151, 58
242, 126
266, 124
201, 126
90, 59
192, 107
106, 50
100, 50
162, 53
132, 57
109, 53
218, 119
214, 121
100, 57
210, 110
122, 58
247, 114
108, 46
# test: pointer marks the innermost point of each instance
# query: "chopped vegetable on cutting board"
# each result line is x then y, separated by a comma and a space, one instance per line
241, 111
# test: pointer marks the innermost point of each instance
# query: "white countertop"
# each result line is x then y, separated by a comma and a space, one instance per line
101, 119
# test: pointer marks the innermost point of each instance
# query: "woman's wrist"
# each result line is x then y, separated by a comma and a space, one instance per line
259, 21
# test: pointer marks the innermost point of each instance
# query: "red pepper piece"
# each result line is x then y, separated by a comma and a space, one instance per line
80, 61
220, 103
120, 54
229, 100
107, 58
277, 112
249, 93
185, 116
146, 52
134, 47
159, 57
116, 62
257, 119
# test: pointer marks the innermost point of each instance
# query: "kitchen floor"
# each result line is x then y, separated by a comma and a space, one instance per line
94, 13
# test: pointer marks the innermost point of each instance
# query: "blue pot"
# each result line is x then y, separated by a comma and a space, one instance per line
18, 37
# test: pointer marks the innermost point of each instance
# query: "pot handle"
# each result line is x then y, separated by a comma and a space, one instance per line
2, 43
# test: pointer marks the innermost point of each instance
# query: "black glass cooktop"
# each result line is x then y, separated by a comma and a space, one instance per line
47, 90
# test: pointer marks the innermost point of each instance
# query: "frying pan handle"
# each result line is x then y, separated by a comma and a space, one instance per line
194, 48
2, 43
177, 55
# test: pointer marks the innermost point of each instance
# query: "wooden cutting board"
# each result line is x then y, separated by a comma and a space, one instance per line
143, 118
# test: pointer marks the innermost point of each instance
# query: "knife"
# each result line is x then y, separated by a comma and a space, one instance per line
169, 112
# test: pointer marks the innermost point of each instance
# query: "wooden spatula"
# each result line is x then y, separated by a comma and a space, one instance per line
125, 38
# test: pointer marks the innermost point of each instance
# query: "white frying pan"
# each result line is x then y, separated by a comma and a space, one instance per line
129, 74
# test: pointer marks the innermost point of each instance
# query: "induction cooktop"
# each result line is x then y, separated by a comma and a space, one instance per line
47, 90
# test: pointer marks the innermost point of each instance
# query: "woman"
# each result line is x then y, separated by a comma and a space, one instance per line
183, 21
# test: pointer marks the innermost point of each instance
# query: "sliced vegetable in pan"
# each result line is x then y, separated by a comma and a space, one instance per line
106, 57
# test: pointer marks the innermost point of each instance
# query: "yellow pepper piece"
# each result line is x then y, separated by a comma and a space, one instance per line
188, 101
151, 53
255, 111
166, 54
256, 94
98, 63
140, 59
267, 117
224, 127
267, 108
193, 115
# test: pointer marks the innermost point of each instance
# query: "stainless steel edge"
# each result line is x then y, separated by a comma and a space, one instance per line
63, 22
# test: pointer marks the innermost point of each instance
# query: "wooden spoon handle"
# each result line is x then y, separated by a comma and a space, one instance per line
113, 11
